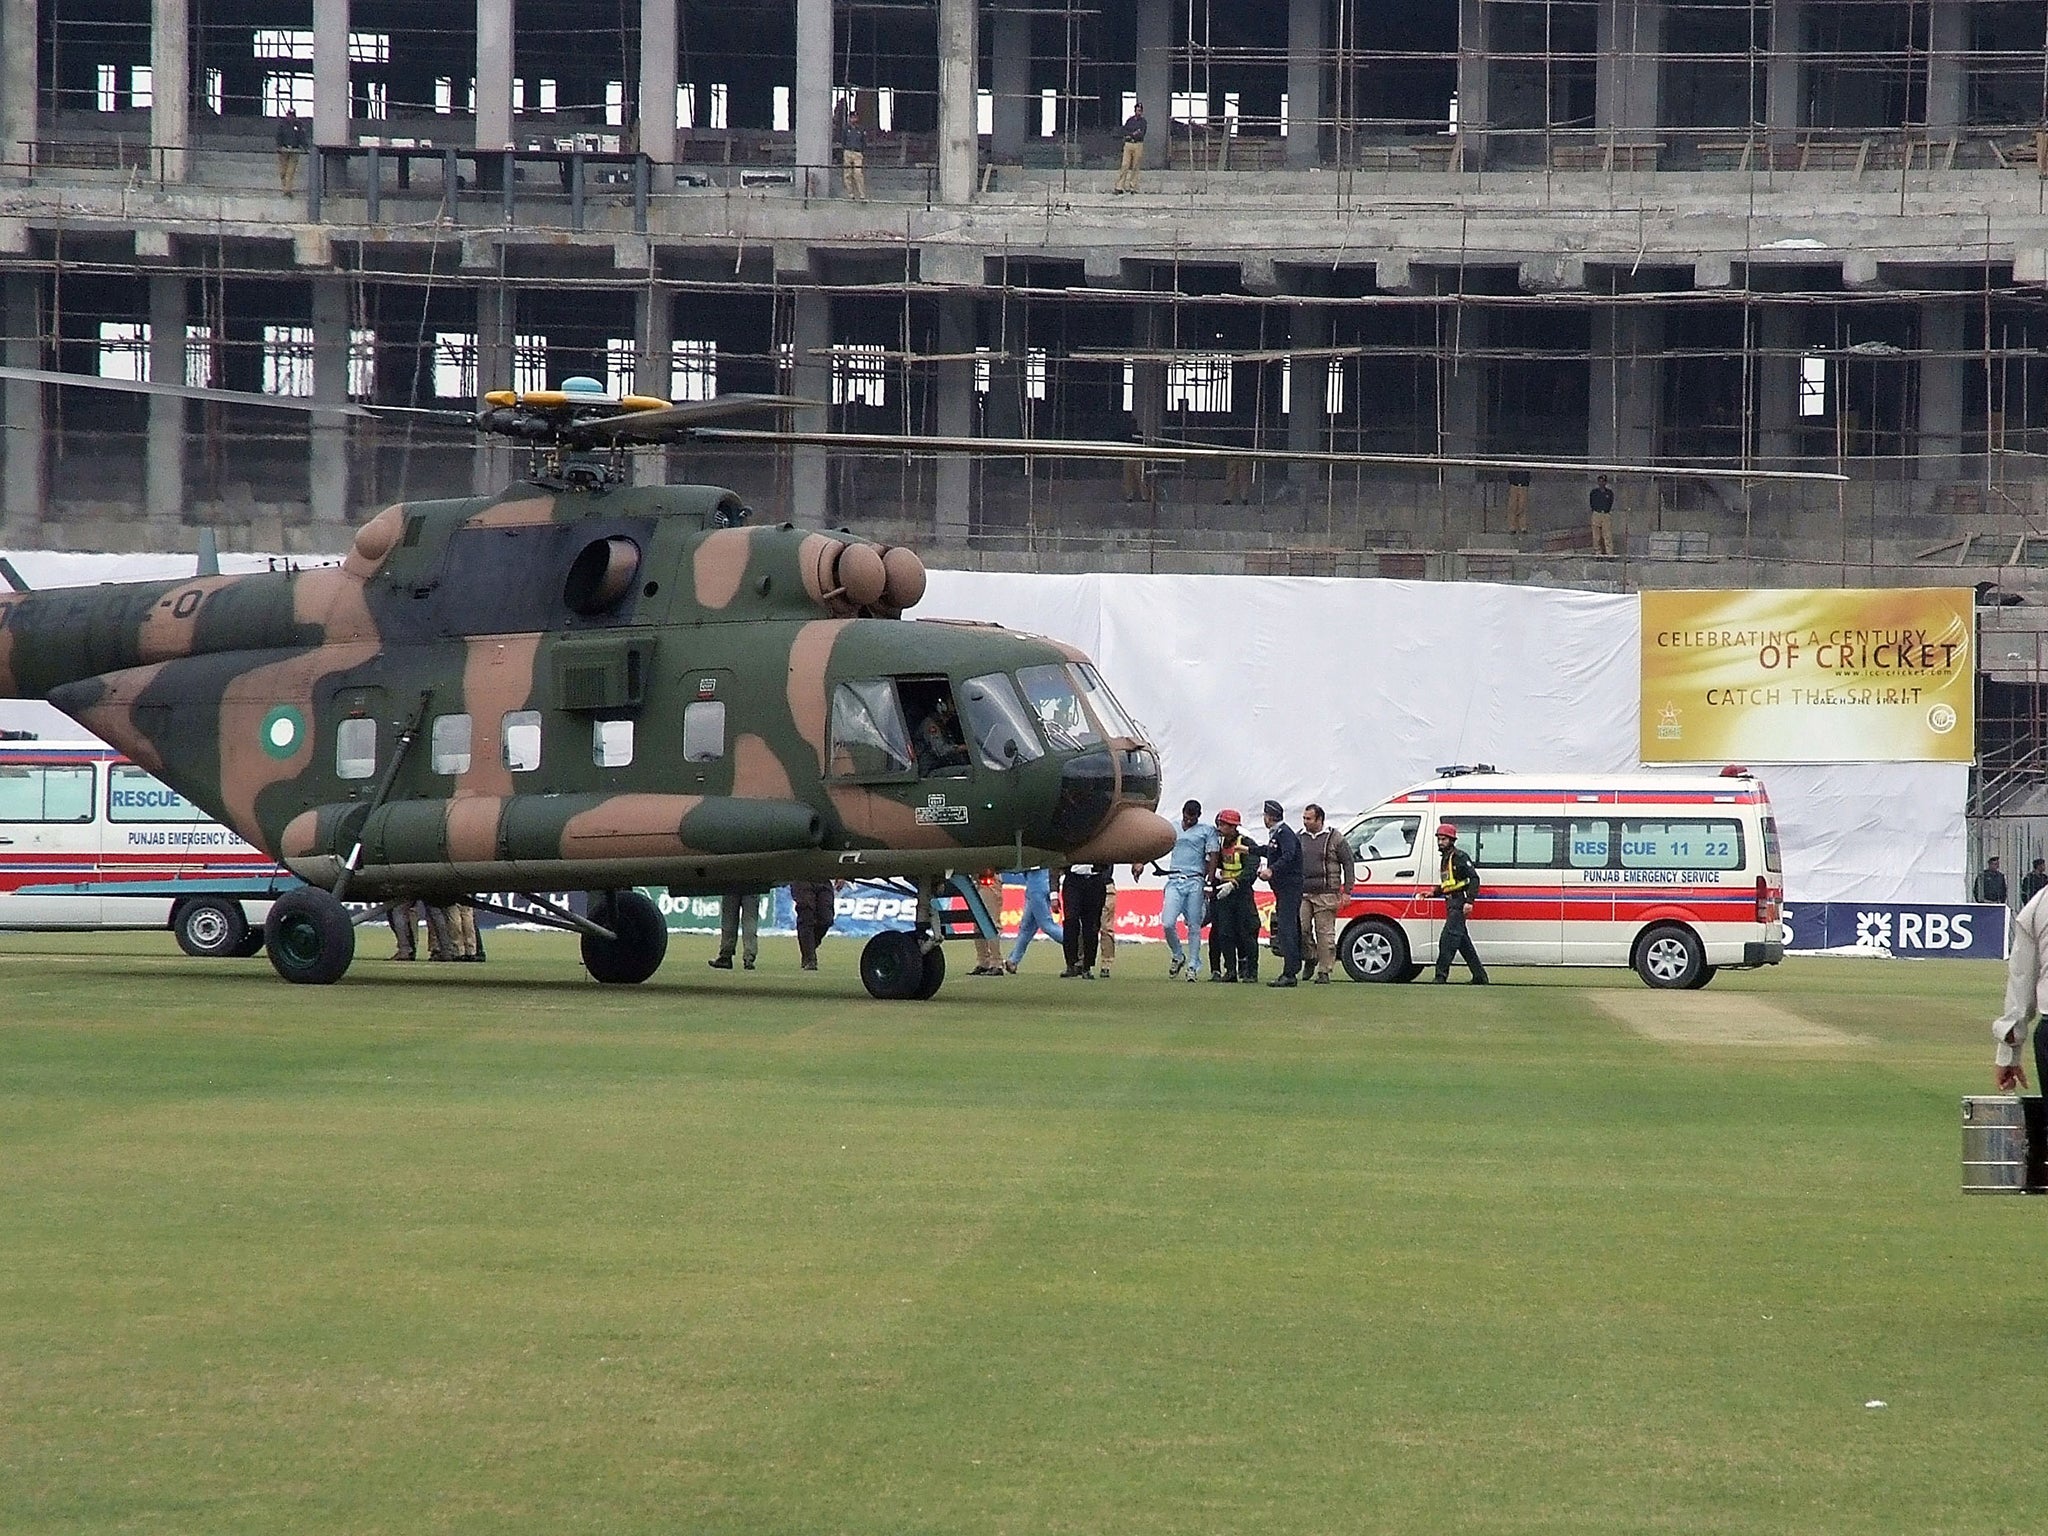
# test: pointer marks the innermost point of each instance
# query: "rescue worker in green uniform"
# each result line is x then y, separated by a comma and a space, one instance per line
1458, 884
1233, 907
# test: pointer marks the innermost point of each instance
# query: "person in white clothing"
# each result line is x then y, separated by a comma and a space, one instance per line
2026, 986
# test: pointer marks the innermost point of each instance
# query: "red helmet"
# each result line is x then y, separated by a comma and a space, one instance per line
1447, 829
1229, 819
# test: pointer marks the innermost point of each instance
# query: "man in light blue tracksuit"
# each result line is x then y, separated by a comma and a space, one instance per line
1037, 917
1189, 870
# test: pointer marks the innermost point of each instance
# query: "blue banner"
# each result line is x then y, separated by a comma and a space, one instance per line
1917, 932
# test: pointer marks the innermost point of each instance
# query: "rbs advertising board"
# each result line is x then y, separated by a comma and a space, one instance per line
1799, 676
1907, 933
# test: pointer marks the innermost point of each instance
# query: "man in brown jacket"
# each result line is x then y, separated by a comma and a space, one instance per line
1328, 868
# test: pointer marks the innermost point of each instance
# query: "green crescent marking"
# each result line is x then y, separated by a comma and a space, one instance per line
283, 730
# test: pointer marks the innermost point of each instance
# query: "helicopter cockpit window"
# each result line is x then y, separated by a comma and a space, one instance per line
355, 748
1384, 837
869, 738
998, 722
704, 731
522, 740
938, 745
451, 743
1104, 703
611, 743
1058, 707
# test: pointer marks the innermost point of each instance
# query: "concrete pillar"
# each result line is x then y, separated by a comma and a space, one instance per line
170, 75
657, 107
653, 372
332, 106
1948, 65
811, 110
1155, 77
811, 379
163, 468
959, 47
953, 491
1306, 20
1474, 67
495, 321
1308, 386
18, 87
327, 456
1010, 80
1629, 75
1776, 371
1785, 73
1941, 390
493, 73
1625, 402
1463, 386
24, 462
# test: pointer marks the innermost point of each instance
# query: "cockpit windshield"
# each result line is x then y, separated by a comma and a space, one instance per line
1050, 691
1104, 703
998, 722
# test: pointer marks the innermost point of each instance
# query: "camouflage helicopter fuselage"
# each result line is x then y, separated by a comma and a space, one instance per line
309, 709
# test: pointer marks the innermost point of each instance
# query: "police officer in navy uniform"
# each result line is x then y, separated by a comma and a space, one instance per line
1458, 884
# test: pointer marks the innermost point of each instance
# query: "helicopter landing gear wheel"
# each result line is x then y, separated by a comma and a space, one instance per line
642, 941
893, 965
934, 973
211, 927
309, 936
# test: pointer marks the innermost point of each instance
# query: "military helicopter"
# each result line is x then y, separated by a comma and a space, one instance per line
578, 685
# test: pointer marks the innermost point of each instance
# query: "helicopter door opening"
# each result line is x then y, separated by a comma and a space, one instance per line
938, 743
892, 729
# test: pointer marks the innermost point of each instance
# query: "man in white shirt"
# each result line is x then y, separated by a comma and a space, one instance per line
2026, 985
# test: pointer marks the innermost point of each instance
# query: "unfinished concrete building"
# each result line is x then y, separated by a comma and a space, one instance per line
1668, 235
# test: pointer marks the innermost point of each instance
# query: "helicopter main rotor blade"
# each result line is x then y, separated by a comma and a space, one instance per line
1032, 448
187, 392
673, 420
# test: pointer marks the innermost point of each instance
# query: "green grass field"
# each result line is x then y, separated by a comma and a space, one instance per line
494, 1249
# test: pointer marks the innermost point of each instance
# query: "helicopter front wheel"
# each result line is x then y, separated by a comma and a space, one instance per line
895, 967
310, 937
641, 943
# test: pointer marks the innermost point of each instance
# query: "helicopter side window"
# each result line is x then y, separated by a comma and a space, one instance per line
869, 739
704, 731
451, 743
522, 740
1058, 707
999, 722
938, 745
611, 743
355, 748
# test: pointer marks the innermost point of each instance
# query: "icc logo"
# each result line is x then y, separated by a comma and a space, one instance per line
1941, 719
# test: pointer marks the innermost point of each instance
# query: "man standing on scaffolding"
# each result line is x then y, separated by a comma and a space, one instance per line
1134, 150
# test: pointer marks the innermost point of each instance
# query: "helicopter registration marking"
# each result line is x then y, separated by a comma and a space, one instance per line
936, 812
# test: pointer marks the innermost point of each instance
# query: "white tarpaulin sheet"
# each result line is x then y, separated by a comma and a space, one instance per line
1344, 691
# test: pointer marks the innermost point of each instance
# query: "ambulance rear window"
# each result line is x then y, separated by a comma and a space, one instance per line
1772, 860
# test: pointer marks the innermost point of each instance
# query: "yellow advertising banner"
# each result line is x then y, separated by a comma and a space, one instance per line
1809, 676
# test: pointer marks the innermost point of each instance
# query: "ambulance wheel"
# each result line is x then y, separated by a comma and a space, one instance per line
641, 943
251, 945
1670, 957
1706, 975
310, 937
892, 966
934, 962
210, 927
1373, 949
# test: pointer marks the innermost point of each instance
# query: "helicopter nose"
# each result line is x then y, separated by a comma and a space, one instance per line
1130, 836
1087, 794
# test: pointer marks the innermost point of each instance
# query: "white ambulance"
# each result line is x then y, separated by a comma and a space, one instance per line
90, 840
1675, 876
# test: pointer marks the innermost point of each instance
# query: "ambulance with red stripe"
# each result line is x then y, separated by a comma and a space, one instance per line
1674, 876
90, 840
